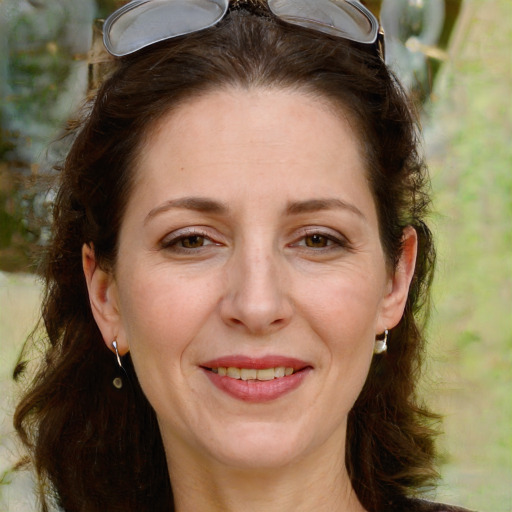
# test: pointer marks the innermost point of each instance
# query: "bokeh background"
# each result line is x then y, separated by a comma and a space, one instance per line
456, 57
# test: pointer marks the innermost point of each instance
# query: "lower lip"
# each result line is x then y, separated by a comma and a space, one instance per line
257, 390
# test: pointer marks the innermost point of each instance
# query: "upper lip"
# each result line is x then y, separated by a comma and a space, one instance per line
257, 363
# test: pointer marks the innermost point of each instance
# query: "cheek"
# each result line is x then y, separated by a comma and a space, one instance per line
343, 307
161, 314
343, 310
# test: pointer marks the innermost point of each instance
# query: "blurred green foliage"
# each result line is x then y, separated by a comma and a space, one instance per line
43, 61
469, 132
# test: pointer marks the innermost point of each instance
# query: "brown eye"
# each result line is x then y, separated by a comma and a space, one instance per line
192, 242
316, 241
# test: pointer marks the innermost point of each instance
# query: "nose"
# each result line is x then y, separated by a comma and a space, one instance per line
256, 300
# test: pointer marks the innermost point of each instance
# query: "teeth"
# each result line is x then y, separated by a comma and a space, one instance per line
248, 374
267, 374
234, 373
253, 374
280, 372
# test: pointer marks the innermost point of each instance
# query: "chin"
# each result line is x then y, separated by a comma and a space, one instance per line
260, 446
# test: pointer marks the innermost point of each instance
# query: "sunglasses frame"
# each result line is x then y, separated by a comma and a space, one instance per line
376, 42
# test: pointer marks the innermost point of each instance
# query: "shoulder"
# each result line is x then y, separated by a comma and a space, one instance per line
416, 505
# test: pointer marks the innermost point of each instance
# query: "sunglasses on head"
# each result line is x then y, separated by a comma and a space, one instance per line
142, 23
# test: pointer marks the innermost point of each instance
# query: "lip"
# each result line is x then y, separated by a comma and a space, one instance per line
257, 391
256, 363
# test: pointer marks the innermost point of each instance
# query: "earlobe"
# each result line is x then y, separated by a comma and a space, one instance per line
103, 299
394, 302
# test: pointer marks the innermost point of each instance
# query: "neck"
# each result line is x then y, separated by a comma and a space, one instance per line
318, 483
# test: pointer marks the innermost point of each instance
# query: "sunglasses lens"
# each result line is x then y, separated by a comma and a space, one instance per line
141, 23
343, 18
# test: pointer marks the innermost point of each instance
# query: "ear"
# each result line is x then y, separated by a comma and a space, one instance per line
393, 304
104, 301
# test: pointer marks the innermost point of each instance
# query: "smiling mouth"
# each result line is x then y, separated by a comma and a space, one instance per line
248, 374
256, 380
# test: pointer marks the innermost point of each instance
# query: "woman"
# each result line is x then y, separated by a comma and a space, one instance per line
238, 275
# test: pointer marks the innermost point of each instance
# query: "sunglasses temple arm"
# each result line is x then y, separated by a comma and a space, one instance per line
381, 45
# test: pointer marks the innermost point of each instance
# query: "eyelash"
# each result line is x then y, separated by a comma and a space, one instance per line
333, 242
172, 241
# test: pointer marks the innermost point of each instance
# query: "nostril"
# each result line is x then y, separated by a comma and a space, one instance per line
256, 308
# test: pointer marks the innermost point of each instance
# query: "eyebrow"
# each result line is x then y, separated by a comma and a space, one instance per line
316, 205
205, 205
198, 204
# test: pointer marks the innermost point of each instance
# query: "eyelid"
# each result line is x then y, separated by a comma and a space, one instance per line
339, 240
171, 239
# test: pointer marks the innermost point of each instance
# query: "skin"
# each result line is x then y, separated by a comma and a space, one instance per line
291, 265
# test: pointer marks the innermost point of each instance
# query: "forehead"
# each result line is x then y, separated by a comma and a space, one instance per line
253, 139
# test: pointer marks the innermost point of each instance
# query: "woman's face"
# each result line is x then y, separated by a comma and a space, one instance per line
250, 250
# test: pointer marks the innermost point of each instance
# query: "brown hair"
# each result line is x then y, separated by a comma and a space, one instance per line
98, 448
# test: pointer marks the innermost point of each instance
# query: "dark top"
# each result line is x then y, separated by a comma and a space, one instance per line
426, 506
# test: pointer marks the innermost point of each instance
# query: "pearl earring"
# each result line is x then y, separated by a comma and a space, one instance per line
381, 345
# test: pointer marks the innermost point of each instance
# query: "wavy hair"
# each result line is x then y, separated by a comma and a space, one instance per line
97, 448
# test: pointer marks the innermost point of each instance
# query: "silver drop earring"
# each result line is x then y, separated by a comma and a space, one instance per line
118, 381
381, 345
